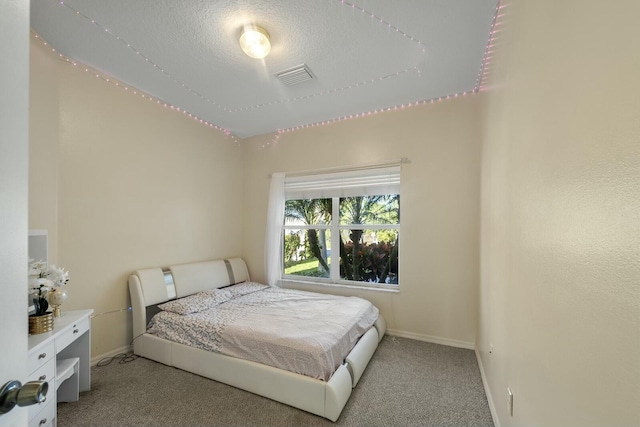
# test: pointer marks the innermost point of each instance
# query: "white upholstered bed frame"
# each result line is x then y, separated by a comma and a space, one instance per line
154, 286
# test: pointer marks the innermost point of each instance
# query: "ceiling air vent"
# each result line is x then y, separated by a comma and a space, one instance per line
295, 75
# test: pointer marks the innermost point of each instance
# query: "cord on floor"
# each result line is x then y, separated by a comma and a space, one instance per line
122, 357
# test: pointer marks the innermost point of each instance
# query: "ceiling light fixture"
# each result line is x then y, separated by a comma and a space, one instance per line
255, 41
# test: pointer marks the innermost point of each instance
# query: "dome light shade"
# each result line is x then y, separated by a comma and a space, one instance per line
255, 41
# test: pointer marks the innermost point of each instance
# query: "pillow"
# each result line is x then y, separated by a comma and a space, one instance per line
197, 302
244, 288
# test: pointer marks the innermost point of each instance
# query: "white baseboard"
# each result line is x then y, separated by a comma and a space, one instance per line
125, 349
432, 339
492, 406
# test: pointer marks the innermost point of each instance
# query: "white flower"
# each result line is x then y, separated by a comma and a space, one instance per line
37, 268
39, 283
59, 276
48, 276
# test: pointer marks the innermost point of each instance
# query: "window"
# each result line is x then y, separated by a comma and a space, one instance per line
343, 227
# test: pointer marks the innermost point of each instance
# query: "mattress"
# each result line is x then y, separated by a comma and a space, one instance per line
302, 332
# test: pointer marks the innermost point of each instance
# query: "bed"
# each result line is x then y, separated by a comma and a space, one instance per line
311, 389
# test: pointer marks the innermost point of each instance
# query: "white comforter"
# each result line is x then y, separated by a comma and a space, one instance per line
302, 332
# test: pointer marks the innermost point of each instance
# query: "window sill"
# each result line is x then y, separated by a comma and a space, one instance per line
286, 281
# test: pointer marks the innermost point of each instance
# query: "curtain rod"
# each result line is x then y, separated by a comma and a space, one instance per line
366, 166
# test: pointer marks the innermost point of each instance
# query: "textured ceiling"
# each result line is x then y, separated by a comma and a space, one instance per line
365, 54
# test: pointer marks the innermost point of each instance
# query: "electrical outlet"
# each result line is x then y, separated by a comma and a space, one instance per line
490, 348
509, 401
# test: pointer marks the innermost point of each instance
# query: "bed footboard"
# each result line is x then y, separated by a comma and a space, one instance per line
326, 399
381, 327
337, 392
359, 357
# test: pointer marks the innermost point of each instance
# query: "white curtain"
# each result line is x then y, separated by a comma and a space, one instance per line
273, 239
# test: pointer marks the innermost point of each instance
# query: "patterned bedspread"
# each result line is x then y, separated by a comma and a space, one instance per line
302, 332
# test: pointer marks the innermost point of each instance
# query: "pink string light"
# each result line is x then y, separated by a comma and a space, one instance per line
140, 54
273, 142
366, 113
375, 18
134, 91
381, 21
488, 49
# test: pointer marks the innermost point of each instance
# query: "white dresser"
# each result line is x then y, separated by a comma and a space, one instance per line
63, 354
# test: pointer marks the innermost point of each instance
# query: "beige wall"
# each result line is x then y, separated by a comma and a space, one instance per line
560, 226
44, 137
124, 184
440, 207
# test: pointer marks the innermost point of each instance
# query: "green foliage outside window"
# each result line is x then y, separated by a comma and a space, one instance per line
366, 255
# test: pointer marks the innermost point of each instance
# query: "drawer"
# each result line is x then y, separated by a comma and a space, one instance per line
71, 334
46, 417
37, 358
47, 373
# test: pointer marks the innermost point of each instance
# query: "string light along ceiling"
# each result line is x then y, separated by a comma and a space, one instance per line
367, 56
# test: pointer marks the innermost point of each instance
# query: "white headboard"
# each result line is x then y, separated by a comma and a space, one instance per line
153, 286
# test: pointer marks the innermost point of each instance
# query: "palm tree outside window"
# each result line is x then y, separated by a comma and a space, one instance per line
343, 227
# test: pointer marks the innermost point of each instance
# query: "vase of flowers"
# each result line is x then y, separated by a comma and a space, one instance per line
45, 284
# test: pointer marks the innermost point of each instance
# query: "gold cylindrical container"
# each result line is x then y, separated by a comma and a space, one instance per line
40, 324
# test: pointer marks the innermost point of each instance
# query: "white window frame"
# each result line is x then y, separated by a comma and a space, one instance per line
356, 182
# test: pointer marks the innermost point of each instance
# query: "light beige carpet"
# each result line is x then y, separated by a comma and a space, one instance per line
407, 383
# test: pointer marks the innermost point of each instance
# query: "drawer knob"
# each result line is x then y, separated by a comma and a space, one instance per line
75, 331
43, 421
42, 355
42, 378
